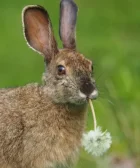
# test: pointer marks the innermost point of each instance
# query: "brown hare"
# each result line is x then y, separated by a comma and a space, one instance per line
41, 126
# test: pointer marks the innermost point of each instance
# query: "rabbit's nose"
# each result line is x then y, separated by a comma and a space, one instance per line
87, 88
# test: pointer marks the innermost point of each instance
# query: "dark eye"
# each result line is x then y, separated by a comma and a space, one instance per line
61, 70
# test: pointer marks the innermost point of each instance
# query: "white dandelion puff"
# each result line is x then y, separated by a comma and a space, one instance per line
95, 141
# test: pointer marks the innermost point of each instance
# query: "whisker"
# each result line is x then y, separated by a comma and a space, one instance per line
110, 102
97, 78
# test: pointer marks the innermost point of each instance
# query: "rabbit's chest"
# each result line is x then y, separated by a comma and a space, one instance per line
65, 157
55, 141
65, 147
56, 151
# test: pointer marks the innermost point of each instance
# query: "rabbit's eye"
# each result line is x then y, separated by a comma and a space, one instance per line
61, 70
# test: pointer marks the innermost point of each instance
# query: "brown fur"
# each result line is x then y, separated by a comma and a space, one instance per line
35, 132
41, 126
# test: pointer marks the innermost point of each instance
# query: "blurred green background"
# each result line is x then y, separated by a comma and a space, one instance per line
108, 32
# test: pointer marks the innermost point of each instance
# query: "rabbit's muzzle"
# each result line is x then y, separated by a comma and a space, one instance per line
88, 88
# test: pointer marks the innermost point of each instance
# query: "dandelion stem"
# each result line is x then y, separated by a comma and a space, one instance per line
93, 113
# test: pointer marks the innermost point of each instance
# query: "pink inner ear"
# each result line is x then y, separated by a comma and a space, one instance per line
37, 28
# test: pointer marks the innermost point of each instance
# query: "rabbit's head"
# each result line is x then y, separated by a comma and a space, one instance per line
68, 75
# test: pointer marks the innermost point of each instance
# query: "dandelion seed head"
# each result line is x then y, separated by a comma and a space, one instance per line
96, 142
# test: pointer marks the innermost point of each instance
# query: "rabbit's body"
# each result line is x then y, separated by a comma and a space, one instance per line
35, 132
41, 126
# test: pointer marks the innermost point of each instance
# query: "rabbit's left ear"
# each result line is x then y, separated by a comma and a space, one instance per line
38, 31
68, 17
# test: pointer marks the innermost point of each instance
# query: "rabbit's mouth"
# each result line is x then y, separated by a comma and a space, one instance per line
85, 97
93, 95
82, 98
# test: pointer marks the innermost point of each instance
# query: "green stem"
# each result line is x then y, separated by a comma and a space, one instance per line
93, 113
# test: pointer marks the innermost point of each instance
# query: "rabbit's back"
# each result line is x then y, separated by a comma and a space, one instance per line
35, 132
15, 104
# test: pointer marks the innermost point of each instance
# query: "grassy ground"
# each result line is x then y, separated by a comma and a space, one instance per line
108, 32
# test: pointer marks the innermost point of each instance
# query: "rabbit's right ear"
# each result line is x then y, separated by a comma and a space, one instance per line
68, 17
38, 31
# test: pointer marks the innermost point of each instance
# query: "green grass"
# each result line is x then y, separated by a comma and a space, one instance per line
108, 32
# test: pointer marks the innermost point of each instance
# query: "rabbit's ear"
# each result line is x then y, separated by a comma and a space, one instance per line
68, 17
38, 31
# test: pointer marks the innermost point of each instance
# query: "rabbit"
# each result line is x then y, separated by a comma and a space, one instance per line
41, 125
